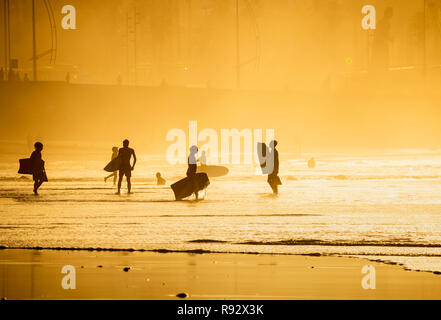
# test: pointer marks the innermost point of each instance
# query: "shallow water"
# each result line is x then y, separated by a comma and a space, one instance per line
386, 206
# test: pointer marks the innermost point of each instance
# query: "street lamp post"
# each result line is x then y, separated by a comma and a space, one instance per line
34, 42
237, 46
424, 37
6, 34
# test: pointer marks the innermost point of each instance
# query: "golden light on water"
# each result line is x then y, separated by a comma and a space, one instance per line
354, 107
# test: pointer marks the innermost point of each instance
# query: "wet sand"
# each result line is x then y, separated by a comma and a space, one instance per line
36, 274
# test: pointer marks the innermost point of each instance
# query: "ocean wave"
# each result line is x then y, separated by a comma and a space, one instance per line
361, 177
97, 178
223, 250
237, 215
314, 242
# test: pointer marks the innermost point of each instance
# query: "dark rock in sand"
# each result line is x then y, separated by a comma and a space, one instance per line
437, 272
100, 266
182, 295
126, 269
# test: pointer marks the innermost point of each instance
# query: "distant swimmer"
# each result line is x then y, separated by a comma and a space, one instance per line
115, 173
311, 163
273, 177
37, 167
160, 180
125, 168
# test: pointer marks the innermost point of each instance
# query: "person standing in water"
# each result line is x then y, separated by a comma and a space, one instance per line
125, 169
115, 173
192, 169
37, 167
273, 177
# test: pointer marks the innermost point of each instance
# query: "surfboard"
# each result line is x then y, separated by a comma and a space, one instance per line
262, 152
213, 171
25, 166
185, 188
113, 165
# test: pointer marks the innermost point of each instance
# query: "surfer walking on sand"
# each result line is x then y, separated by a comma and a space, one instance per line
125, 168
37, 167
192, 169
273, 177
115, 173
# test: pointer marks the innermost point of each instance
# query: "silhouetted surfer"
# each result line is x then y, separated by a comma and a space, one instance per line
160, 181
194, 182
115, 173
273, 178
192, 168
125, 168
37, 167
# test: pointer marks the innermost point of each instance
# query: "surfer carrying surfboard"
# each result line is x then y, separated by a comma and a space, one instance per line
273, 177
37, 167
125, 168
115, 173
194, 182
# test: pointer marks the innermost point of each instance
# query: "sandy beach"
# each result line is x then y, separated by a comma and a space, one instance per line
36, 274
